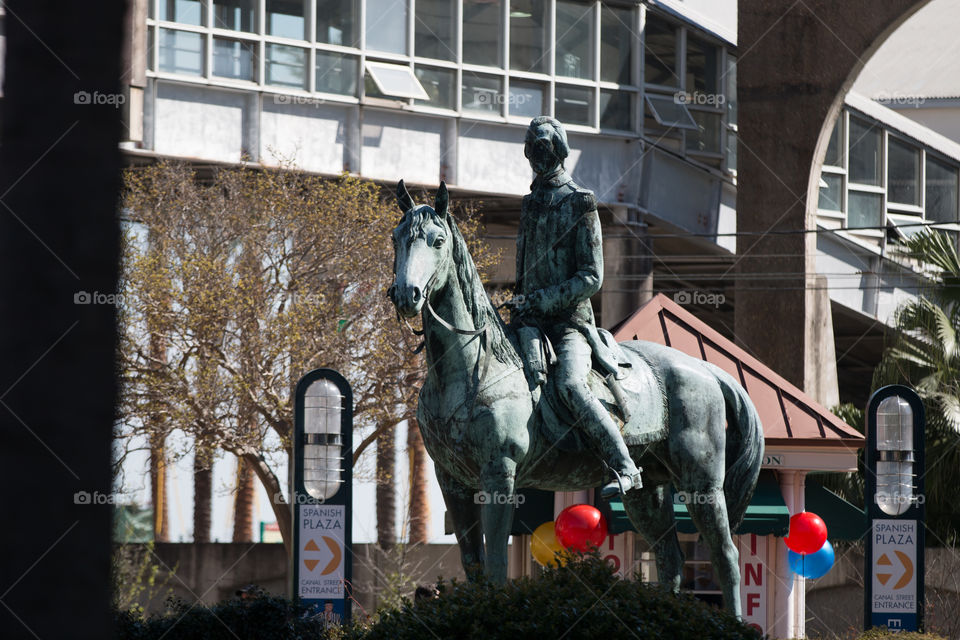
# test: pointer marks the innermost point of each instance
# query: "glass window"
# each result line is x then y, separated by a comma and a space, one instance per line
336, 73
731, 164
669, 111
660, 53
574, 39
386, 24
396, 80
185, 11
730, 93
701, 67
181, 52
482, 27
616, 110
434, 28
941, 191
616, 45
831, 195
706, 137
286, 66
236, 15
865, 141
481, 93
865, 209
336, 22
903, 172
285, 19
526, 98
528, 35
571, 105
698, 574
439, 85
835, 146
233, 58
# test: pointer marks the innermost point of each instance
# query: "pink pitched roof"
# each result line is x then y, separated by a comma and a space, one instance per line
788, 415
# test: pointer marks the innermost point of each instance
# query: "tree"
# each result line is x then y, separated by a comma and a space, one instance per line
262, 276
926, 356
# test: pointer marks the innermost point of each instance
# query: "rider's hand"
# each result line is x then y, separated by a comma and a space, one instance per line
518, 304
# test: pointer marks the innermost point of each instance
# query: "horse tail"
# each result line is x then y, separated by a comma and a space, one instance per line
744, 450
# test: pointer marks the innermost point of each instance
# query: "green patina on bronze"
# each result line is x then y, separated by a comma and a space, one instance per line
493, 427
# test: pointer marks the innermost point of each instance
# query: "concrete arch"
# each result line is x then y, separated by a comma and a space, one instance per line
797, 61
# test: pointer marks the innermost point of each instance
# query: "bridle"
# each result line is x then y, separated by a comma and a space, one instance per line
484, 331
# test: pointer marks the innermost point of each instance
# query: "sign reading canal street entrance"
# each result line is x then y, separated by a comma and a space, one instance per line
321, 539
894, 574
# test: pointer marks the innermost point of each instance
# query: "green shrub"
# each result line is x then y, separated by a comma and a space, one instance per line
264, 618
582, 600
884, 634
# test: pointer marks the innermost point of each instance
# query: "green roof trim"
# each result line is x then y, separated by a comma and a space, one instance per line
767, 514
844, 521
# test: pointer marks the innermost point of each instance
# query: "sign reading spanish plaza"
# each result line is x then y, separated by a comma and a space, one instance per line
321, 553
894, 573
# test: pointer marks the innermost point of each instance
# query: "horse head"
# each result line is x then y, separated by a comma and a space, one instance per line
421, 243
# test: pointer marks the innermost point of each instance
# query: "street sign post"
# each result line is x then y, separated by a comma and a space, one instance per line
321, 499
895, 509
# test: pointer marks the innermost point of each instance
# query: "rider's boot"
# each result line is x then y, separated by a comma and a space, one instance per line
603, 431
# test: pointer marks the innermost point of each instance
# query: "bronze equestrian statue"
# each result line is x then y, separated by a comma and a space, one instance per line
504, 408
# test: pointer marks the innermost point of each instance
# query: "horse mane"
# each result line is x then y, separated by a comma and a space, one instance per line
475, 296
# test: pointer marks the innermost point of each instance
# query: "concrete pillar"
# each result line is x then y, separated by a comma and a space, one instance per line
627, 267
797, 61
786, 583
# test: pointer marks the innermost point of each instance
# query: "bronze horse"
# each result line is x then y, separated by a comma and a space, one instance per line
489, 435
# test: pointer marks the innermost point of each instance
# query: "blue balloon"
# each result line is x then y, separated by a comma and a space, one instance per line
812, 565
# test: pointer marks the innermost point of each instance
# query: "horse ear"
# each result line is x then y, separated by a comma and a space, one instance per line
403, 197
443, 198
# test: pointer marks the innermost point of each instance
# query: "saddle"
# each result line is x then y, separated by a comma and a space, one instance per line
634, 397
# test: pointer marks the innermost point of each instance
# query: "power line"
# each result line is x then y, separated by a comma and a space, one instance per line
738, 234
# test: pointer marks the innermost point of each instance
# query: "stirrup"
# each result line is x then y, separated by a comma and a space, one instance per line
620, 485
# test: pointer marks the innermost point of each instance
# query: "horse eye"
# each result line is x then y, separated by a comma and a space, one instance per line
438, 242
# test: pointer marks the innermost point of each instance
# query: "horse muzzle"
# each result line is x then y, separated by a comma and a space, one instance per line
408, 299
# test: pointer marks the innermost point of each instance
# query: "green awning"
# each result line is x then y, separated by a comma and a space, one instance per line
766, 514
844, 521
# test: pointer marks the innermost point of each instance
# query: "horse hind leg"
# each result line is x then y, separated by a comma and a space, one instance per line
651, 512
708, 510
464, 510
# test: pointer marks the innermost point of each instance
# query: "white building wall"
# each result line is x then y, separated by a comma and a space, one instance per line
490, 158
199, 122
311, 136
401, 145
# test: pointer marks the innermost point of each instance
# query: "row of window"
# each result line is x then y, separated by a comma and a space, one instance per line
577, 61
872, 176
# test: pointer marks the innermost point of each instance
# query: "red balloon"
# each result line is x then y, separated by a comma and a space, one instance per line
580, 527
807, 534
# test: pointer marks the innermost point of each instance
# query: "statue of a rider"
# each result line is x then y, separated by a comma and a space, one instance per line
559, 266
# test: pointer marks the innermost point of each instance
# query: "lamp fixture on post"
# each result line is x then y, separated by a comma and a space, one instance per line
894, 493
321, 499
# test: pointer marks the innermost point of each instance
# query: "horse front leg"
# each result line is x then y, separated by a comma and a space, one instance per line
465, 513
497, 479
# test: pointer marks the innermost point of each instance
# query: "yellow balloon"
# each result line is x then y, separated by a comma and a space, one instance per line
544, 544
